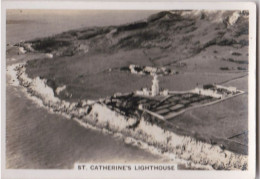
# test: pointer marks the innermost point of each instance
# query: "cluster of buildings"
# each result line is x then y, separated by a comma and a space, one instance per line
178, 102
207, 92
136, 69
215, 91
154, 91
212, 90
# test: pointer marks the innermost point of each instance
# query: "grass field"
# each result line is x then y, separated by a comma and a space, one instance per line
222, 120
202, 48
216, 57
88, 76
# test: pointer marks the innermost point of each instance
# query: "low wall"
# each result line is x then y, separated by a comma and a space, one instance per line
101, 116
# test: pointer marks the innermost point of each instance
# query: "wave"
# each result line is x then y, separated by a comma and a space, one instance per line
97, 116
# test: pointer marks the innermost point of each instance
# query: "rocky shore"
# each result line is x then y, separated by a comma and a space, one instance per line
184, 149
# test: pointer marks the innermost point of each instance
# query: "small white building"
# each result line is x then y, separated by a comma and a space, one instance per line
207, 92
49, 55
164, 92
22, 50
144, 92
132, 68
150, 69
230, 88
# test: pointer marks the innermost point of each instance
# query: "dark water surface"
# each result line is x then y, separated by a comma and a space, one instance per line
36, 138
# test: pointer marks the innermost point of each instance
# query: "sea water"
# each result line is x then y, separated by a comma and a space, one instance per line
37, 139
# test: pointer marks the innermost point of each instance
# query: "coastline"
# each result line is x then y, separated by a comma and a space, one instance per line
180, 149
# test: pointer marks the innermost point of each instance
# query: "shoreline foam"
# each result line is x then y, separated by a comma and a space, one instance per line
181, 149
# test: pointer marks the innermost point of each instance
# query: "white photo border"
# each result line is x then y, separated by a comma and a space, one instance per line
72, 5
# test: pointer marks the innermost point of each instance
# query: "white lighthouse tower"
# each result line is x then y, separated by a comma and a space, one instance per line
155, 86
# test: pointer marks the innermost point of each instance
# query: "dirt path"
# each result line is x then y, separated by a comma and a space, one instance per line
236, 78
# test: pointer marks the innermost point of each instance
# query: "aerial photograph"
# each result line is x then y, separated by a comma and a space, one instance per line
127, 86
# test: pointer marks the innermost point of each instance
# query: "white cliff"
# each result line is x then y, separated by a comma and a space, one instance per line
100, 116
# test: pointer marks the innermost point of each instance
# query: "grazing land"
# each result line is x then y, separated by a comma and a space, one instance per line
204, 47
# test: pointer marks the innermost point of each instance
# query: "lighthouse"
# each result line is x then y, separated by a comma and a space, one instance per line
155, 85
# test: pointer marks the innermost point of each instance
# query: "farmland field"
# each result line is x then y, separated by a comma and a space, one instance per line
200, 56
209, 122
79, 65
